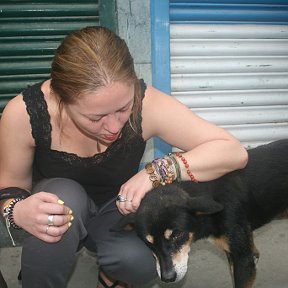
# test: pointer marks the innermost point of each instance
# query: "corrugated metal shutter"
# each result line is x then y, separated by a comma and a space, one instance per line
229, 11
29, 33
234, 75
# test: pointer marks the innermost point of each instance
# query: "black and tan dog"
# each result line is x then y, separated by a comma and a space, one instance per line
225, 211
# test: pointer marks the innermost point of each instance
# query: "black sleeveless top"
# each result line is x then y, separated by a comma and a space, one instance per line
102, 174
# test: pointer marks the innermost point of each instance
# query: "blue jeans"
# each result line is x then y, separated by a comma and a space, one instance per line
121, 255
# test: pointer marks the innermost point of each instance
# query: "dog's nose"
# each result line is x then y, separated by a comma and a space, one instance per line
168, 276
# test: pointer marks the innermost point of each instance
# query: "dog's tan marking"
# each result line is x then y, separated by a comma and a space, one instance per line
190, 238
221, 242
183, 252
178, 257
250, 282
150, 238
168, 233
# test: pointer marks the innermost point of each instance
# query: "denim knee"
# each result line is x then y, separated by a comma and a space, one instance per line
71, 192
127, 259
52, 269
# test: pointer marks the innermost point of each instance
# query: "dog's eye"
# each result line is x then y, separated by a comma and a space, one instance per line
177, 235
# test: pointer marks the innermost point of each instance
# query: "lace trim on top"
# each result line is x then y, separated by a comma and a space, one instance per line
37, 109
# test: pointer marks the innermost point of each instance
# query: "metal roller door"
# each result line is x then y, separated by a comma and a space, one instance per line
236, 78
31, 30
229, 63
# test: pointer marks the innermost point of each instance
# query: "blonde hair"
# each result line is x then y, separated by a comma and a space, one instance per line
89, 59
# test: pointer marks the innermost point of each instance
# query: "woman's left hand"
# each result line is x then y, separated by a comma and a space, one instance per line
133, 191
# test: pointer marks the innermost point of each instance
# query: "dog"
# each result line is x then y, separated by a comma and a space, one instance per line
225, 211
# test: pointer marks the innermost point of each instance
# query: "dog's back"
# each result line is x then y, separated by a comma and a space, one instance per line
259, 191
266, 177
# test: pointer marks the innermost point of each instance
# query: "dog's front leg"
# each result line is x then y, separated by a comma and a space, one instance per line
242, 254
231, 268
244, 270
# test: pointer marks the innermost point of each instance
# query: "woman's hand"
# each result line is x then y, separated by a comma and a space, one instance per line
134, 190
32, 215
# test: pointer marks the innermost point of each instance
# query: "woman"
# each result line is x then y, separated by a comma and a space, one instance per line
76, 140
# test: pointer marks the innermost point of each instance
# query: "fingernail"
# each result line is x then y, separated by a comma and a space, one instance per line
69, 224
60, 202
70, 211
71, 218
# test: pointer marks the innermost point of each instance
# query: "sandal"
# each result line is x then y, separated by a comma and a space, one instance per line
113, 285
104, 284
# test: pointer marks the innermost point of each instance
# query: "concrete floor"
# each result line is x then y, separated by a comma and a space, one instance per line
207, 265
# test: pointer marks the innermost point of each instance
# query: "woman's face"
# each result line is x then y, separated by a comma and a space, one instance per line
102, 114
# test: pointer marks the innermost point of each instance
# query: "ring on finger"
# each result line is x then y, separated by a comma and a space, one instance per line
47, 228
121, 198
50, 220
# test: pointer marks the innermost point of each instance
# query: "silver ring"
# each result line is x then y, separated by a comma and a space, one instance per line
50, 220
121, 198
47, 229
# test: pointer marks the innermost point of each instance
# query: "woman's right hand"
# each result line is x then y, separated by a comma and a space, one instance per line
32, 214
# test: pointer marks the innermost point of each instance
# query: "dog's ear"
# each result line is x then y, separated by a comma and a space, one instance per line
125, 223
204, 205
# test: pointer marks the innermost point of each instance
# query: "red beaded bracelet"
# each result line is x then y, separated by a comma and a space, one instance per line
190, 174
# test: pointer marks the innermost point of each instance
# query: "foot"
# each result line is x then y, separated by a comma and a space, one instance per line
106, 282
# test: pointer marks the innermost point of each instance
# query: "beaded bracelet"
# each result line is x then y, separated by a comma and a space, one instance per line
8, 215
8, 212
172, 158
190, 174
165, 169
171, 174
18, 194
152, 175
